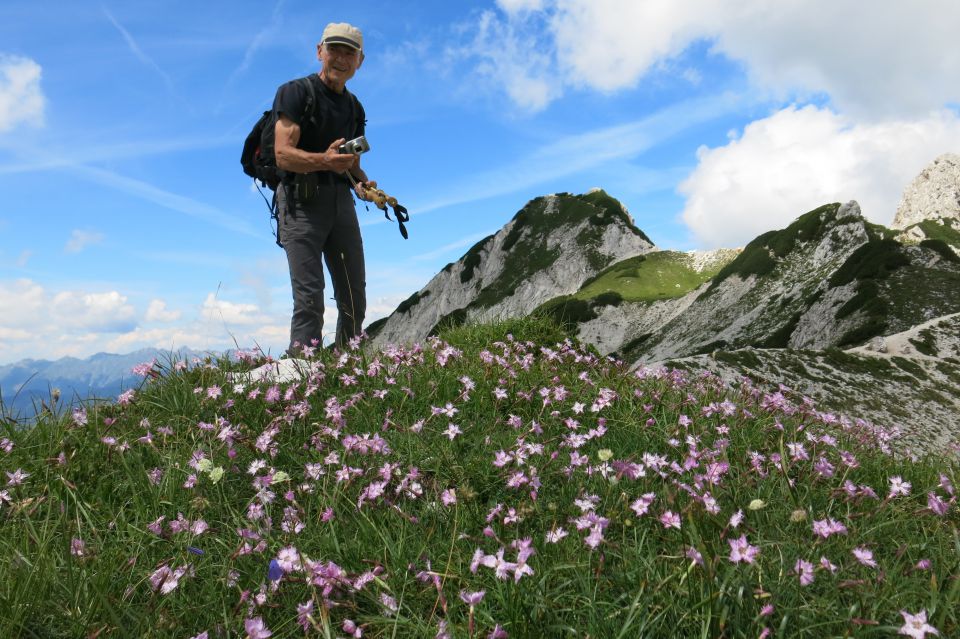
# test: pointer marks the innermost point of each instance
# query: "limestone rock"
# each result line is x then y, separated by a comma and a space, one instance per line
934, 194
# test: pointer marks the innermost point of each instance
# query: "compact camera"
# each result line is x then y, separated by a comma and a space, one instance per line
355, 146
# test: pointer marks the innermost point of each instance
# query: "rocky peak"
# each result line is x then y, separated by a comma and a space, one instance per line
550, 248
933, 195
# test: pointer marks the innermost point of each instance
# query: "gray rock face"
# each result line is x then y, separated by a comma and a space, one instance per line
472, 289
934, 194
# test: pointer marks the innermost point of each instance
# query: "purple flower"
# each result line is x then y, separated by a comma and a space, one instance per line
805, 569
670, 519
256, 628
498, 633
864, 556
472, 598
78, 548
274, 572
742, 551
448, 497
694, 555
937, 504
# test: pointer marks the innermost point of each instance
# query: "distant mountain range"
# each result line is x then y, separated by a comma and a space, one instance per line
27, 384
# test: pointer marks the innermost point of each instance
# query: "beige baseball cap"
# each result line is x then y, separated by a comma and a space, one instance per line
343, 33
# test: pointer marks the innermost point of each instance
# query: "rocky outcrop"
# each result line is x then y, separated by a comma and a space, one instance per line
550, 248
933, 195
906, 381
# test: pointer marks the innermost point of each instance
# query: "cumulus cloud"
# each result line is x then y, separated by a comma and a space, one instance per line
21, 99
47, 324
157, 312
882, 60
99, 312
80, 240
800, 158
230, 313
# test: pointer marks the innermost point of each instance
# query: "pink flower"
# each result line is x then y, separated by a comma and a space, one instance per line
805, 569
694, 555
742, 551
826, 527
305, 614
736, 519
498, 633
78, 548
864, 556
166, 580
937, 504
669, 519
916, 625
16, 477
899, 487
126, 397
640, 506
256, 628
143, 369
555, 535
472, 598
448, 497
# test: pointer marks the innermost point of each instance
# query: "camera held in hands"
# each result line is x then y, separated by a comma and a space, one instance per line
355, 146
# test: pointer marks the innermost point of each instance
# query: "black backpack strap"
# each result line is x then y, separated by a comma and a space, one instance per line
311, 100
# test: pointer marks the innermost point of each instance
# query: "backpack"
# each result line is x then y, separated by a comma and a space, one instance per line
258, 159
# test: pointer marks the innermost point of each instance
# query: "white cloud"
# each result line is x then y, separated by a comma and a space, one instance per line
98, 312
21, 100
157, 312
512, 56
801, 158
23, 302
230, 313
886, 59
44, 324
80, 240
32, 316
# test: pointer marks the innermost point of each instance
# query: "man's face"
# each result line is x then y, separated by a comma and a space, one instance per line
340, 62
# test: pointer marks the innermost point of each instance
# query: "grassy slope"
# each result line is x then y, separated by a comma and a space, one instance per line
647, 278
396, 562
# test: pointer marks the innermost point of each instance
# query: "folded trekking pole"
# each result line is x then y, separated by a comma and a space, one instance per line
381, 200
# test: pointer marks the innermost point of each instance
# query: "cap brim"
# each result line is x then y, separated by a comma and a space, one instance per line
342, 40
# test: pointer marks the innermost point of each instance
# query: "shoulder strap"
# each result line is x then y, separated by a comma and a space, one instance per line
311, 99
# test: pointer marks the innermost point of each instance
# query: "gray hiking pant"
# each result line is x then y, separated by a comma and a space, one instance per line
319, 228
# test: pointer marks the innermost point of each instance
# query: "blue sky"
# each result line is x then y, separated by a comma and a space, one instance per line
126, 220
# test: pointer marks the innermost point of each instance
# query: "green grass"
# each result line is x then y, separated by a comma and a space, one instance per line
647, 278
552, 436
948, 232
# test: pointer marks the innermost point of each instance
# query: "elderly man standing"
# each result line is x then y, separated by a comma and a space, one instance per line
317, 218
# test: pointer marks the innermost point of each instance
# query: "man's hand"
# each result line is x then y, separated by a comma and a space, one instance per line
362, 187
336, 161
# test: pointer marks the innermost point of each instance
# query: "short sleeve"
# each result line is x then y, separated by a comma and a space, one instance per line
291, 101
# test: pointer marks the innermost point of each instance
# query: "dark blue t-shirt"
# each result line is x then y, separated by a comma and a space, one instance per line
336, 115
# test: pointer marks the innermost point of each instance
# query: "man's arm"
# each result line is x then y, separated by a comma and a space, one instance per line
290, 158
